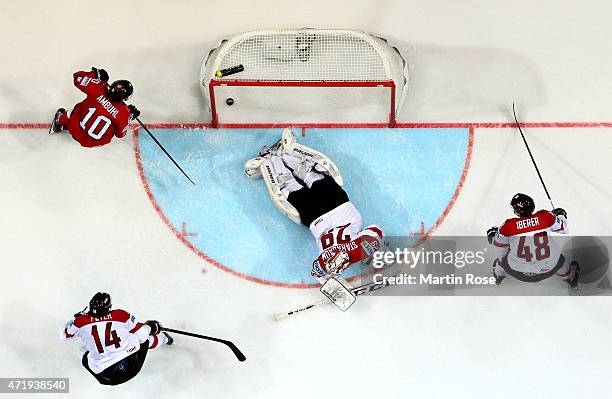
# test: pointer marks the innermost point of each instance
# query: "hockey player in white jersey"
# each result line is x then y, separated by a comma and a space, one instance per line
115, 344
306, 186
526, 248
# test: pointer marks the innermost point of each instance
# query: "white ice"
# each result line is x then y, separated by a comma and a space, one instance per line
76, 221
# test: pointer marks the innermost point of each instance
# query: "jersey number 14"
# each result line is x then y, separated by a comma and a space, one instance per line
110, 337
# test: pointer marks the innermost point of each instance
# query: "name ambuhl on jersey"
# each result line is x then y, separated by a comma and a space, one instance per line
96, 120
525, 245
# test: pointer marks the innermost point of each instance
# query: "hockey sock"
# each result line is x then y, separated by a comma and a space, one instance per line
157, 340
64, 119
565, 272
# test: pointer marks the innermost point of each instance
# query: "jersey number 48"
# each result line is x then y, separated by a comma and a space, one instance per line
541, 248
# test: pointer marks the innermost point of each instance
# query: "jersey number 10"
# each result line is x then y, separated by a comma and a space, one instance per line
95, 124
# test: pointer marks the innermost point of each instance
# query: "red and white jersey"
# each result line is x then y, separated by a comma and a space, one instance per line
96, 120
108, 339
528, 243
340, 230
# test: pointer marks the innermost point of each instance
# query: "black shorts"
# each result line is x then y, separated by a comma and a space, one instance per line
122, 371
323, 196
531, 278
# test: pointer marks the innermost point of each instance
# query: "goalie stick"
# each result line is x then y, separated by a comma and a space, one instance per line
357, 291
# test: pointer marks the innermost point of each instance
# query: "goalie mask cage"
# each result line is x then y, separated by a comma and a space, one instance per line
304, 77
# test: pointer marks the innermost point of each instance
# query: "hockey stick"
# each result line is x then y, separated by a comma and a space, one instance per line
357, 291
164, 150
531, 155
230, 344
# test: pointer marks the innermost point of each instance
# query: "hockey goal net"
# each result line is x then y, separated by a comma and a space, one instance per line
304, 77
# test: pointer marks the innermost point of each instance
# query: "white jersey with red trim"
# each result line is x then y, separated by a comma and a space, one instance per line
108, 339
340, 230
528, 244
337, 226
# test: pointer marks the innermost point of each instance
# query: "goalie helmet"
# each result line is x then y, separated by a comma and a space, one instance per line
522, 204
100, 305
120, 90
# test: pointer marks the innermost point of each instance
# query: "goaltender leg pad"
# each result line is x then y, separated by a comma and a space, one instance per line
252, 167
337, 290
276, 183
302, 159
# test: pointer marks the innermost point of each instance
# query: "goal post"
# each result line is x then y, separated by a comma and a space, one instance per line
304, 77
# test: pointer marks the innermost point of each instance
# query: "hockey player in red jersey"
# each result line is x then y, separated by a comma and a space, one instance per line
102, 115
526, 248
307, 187
115, 344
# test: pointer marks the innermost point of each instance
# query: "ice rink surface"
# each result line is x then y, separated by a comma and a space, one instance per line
78, 221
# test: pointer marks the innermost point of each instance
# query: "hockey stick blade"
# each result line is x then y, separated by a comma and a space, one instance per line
239, 355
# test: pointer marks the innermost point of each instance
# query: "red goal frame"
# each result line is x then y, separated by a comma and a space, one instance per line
285, 83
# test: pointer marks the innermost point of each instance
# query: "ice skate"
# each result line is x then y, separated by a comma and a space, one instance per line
169, 339
575, 275
56, 127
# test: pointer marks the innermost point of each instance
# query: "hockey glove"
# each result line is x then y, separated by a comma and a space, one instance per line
559, 212
100, 74
134, 111
491, 233
154, 325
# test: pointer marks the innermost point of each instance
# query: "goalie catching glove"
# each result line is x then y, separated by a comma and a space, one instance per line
338, 263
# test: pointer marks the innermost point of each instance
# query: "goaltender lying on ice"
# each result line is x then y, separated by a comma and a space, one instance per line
307, 186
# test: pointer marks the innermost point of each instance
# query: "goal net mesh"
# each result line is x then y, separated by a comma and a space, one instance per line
306, 55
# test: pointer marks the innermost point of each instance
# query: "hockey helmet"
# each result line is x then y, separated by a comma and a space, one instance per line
120, 90
522, 204
100, 305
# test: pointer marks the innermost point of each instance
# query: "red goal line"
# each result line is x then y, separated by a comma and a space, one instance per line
406, 125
